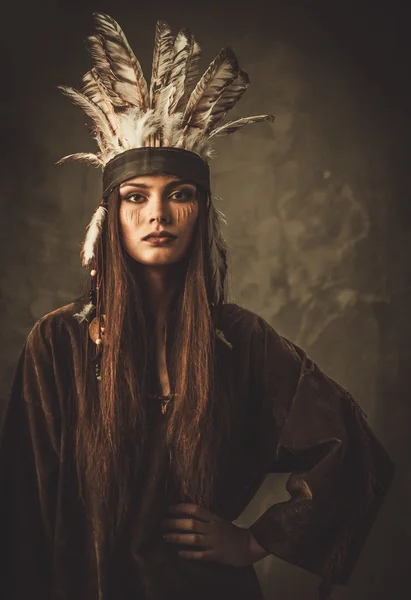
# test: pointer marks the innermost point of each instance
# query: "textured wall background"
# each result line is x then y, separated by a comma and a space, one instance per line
317, 206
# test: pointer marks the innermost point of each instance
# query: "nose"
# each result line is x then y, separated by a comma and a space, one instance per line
160, 219
159, 211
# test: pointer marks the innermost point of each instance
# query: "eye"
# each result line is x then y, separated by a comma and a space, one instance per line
134, 198
183, 195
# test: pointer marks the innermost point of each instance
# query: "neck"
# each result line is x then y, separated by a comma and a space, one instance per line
160, 286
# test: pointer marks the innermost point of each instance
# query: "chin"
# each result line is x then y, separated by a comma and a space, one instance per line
157, 258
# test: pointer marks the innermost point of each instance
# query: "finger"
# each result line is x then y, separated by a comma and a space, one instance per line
189, 539
194, 510
197, 554
185, 524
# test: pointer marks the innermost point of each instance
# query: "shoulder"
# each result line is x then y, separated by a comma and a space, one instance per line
267, 350
246, 324
58, 325
238, 321
51, 352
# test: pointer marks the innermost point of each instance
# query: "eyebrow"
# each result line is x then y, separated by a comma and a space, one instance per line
169, 185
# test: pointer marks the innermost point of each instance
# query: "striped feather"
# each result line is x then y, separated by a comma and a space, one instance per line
177, 75
94, 90
162, 109
94, 44
87, 157
232, 126
221, 72
162, 59
229, 97
191, 73
101, 125
129, 82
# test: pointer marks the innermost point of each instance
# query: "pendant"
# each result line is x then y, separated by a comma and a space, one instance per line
96, 333
164, 403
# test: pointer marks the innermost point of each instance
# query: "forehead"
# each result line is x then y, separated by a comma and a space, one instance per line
152, 181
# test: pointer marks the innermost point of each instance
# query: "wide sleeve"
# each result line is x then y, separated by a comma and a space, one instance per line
312, 427
29, 470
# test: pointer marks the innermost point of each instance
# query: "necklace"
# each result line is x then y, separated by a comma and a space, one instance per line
164, 400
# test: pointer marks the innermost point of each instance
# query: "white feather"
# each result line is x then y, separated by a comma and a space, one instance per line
137, 126
100, 121
182, 47
93, 233
164, 99
209, 153
218, 251
162, 57
95, 90
87, 157
233, 126
128, 81
194, 140
219, 75
183, 115
191, 73
102, 67
167, 122
107, 156
82, 315
172, 128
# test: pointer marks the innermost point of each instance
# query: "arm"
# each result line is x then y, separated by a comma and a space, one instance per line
29, 461
257, 552
339, 471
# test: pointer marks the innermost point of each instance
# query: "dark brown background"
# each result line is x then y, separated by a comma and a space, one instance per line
318, 205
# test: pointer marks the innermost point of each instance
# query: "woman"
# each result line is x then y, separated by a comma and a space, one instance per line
141, 424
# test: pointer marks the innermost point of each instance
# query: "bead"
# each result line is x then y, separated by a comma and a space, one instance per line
93, 273
98, 341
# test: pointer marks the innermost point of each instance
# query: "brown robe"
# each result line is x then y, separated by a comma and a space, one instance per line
289, 418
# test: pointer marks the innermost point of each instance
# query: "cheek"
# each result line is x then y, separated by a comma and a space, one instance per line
129, 217
186, 214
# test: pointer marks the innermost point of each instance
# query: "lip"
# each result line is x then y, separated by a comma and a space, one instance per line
163, 234
160, 241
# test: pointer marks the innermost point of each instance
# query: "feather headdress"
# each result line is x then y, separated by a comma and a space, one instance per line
175, 118
173, 111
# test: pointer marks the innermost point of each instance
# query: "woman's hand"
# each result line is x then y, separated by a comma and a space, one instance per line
219, 540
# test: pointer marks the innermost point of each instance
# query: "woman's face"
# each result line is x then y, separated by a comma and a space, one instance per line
154, 204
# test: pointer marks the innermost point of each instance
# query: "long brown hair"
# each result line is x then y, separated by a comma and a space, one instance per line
111, 424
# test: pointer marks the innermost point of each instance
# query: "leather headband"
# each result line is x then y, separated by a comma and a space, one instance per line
152, 161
